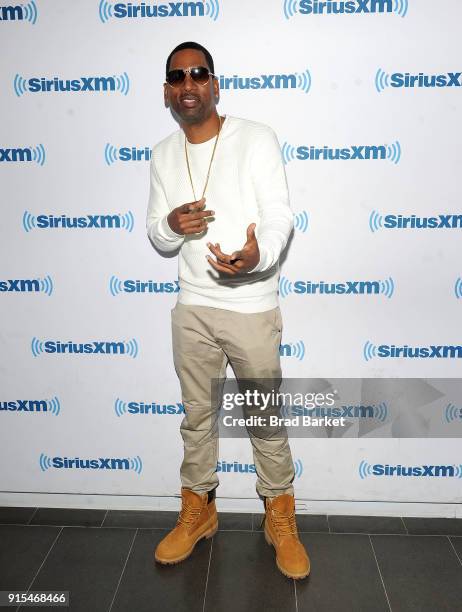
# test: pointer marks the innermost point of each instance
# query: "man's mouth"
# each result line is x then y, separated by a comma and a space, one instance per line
189, 101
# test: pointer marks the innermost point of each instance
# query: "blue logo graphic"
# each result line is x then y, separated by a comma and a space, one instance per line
340, 7
293, 349
355, 152
19, 12
452, 413
442, 351
365, 470
301, 221
119, 83
134, 464
121, 408
292, 80
390, 221
124, 221
128, 10
116, 286
33, 285
113, 154
128, 348
24, 154
300, 287
236, 467
458, 288
409, 81
48, 405
376, 411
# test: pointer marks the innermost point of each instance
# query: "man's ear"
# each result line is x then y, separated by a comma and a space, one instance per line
166, 101
216, 91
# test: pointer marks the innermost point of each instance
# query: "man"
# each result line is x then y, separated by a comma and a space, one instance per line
227, 309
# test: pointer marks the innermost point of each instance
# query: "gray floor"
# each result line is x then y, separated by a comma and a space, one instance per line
105, 559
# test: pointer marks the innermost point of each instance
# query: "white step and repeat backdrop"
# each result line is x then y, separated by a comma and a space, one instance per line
365, 97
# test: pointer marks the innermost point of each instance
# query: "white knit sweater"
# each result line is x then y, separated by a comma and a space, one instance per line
247, 185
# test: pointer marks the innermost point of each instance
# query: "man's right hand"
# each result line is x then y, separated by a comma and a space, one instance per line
189, 218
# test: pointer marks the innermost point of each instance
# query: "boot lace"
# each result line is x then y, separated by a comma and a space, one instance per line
284, 523
188, 515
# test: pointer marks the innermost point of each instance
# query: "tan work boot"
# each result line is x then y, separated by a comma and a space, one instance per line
197, 519
281, 531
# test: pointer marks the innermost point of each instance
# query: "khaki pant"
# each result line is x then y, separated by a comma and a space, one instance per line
204, 340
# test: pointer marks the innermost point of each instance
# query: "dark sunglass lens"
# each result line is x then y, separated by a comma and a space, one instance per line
200, 74
175, 77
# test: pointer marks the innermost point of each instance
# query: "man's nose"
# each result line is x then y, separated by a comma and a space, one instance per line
188, 81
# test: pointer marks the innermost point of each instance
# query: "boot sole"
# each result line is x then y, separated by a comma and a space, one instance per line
208, 534
269, 541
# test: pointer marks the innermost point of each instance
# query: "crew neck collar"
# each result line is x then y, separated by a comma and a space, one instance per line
196, 145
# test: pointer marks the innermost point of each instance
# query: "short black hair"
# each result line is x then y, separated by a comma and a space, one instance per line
191, 45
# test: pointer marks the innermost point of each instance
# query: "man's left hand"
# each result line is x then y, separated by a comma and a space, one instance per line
239, 261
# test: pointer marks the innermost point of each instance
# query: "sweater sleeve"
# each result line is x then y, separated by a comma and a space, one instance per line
270, 183
158, 229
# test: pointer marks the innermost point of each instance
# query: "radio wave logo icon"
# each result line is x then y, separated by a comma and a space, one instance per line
301, 221
394, 152
458, 288
382, 80
212, 9
111, 154
296, 349
115, 286
29, 12
120, 407
28, 221
105, 11
127, 221
381, 411
387, 287
38, 154
452, 413
54, 406
288, 152
122, 83
37, 347
45, 462
369, 351
46, 285
298, 467
136, 464
375, 221
365, 469
290, 8
401, 7
285, 286
304, 80
131, 348
19, 85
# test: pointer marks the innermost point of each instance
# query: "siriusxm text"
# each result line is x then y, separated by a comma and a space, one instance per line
414, 222
329, 7
171, 9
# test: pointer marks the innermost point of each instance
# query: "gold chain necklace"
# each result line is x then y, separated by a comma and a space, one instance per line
210, 165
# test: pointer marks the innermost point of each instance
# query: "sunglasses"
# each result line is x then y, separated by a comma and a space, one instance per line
199, 74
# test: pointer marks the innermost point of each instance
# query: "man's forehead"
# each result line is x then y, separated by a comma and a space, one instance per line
188, 57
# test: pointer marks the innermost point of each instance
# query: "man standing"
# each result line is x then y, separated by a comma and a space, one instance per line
227, 309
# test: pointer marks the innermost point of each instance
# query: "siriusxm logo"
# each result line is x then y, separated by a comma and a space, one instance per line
301, 221
19, 12
409, 81
300, 287
293, 349
235, 467
113, 154
341, 7
442, 221
33, 285
118, 221
452, 413
45, 405
458, 288
376, 411
355, 152
128, 10
116, 286
101, 463
442, 351
293, 80
56, 347
25, 154
122, 408
365, 469
113, 83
